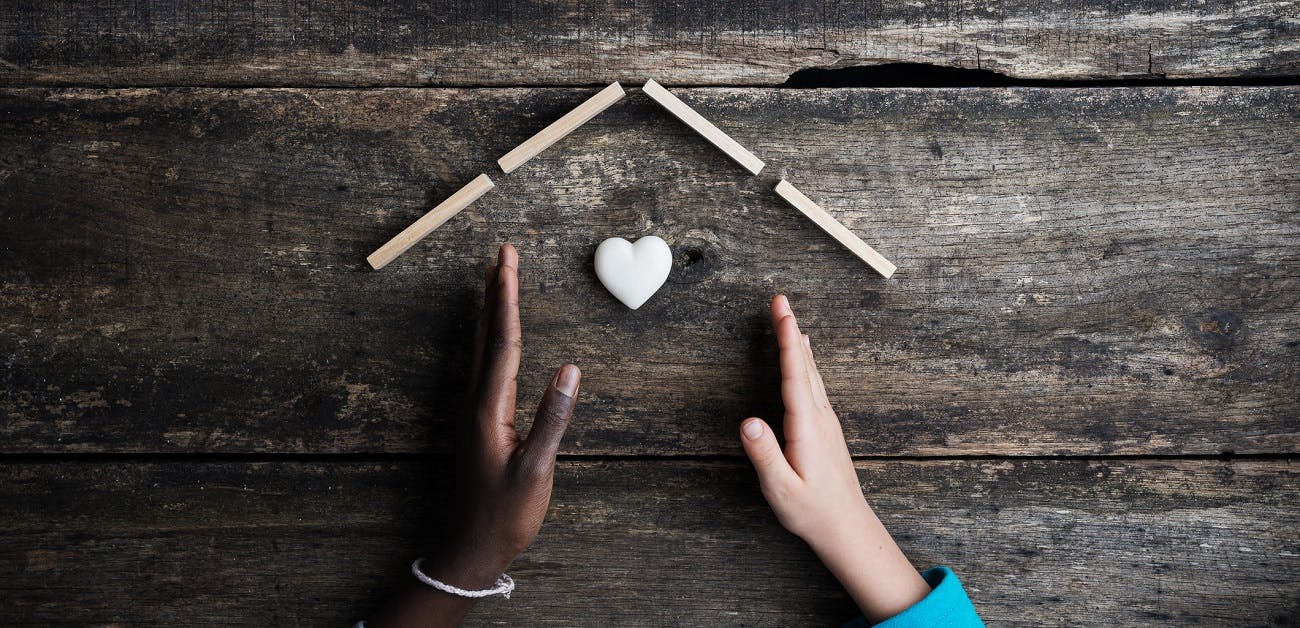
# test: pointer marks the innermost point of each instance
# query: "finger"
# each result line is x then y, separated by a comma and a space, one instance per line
539, 449
765, 453
502, 349
795, 391
481, 329
815, 376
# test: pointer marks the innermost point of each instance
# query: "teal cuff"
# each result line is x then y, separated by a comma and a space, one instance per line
946, 605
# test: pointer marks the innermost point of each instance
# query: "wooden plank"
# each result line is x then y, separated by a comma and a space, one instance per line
1089, 271
430, 221
1107, 542
557, 130
284, 42
835, 228
700, 125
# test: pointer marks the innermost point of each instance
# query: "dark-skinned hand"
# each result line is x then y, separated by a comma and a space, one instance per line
504, 481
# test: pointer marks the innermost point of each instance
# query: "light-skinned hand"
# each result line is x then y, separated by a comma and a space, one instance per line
813, 488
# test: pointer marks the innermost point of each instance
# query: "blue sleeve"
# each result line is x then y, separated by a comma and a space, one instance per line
946, 605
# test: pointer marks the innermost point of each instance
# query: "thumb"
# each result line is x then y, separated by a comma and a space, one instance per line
765, 453
552, 418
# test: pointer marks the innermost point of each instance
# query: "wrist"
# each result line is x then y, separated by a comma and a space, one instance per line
872, 568
846, 533
423, 605
468, 570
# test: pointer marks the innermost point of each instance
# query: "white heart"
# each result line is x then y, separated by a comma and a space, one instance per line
633, 272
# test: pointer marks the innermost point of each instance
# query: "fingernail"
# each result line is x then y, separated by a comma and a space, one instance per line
807, 342
752, 429
567, 380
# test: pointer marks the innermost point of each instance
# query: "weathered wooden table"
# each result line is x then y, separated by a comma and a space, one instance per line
1081, 389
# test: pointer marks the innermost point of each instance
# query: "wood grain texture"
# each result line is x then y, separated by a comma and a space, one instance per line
1088, 271
1115, 543
586, 42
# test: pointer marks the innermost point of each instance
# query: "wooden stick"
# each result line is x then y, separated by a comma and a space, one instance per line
560, 128
430, 221
837, 230
675, 106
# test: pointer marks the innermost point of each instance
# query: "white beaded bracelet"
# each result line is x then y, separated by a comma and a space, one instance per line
503, 586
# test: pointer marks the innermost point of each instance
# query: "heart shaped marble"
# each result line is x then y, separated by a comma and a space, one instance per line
633, 272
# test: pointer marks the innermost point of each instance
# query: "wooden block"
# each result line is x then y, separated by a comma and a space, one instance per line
837, 230
675, 106
560, 128
430, 221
